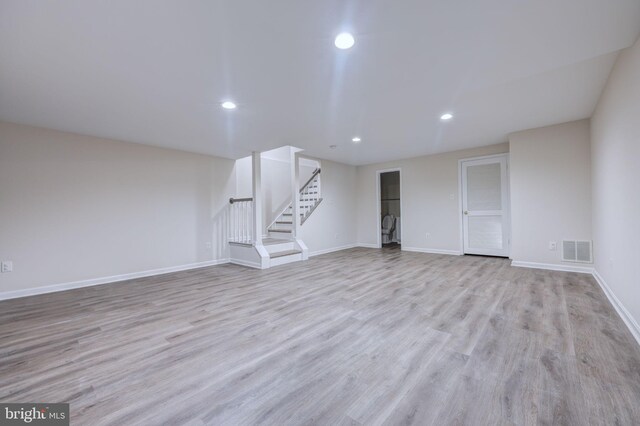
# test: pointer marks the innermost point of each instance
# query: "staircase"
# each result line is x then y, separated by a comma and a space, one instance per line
309, 200
280, 246
282, 251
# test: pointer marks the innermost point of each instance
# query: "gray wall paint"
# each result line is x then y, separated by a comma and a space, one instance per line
615, 151
550, 190
75, 207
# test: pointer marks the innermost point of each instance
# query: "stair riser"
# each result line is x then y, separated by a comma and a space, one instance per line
280, 235
286, 259
275, 248
286, 226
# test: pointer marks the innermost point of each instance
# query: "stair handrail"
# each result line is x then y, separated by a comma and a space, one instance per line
238, 200
315, 173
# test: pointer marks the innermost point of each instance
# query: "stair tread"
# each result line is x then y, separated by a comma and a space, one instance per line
284, 253
288, 231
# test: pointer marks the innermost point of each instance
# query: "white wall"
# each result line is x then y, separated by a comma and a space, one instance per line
332, 225
550, 190
615, 155
276, 189
75, 207
429, 187
244, 171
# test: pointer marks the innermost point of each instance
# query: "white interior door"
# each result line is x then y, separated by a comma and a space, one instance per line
485, 206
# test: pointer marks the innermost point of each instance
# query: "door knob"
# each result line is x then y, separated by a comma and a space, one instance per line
466, 212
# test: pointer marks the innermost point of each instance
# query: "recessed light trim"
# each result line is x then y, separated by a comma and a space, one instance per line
447, 116
344, 41
356, 139
229, 105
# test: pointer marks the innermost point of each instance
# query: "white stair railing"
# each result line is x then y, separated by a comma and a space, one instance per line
241, 220
310, 196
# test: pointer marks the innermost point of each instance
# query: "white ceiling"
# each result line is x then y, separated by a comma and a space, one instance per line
155, 72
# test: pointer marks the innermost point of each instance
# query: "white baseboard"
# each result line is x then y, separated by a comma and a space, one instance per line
431, 250
629, 321
366, 245
553, 267
105, 280
332, 249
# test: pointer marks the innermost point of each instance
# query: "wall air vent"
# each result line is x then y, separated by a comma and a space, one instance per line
577, 251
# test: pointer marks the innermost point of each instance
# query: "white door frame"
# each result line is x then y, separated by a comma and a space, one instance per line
507, 201
379, 202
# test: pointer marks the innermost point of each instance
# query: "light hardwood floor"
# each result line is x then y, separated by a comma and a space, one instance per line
361, 336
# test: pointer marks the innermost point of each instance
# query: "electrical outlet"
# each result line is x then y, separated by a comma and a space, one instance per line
553, 245
207, 245
427, 235
336, 236
7, 266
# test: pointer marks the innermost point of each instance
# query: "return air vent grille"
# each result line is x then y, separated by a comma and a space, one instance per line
577, 251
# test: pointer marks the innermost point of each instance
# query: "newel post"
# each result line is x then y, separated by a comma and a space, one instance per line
295, 197
257, 196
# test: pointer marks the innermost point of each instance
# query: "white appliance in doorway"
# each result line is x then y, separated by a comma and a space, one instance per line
486, 221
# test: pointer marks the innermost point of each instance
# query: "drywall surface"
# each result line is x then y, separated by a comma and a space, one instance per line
615, 153
76, 208
550, 190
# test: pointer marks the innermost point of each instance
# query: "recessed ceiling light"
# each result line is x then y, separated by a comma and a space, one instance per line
356, 139
446, 116
333, 146
344, 41
228, 105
